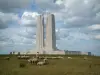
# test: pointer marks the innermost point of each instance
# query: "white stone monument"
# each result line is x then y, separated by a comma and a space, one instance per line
50, 41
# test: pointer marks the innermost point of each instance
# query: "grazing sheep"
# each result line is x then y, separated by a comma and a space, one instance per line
23, 57
44, 62
45, 59
41, 63
29, 60
18, 57
54, 57
69, 57
33, 60
85, 58
7, 58
60, 57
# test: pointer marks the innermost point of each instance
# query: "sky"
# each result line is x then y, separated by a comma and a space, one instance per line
77, 24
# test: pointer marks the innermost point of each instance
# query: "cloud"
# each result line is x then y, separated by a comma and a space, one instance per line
15, 42
94, 27
73, 44
94, 30
14, 36
3, 25
28, 19
59, 2
77, 23
76, 13
71, 12
13, 5
18, 37
29, 33
76, 40
97, 37
49, 5
6, 18
62, 33
73, 34
80, 14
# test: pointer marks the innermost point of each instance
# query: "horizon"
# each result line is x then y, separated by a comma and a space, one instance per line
77, 24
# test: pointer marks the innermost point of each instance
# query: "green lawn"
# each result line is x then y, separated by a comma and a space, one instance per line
75, 66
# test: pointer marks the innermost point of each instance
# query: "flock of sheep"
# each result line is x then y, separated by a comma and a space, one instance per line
39, 60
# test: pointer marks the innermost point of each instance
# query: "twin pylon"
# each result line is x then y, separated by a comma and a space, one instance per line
49, 42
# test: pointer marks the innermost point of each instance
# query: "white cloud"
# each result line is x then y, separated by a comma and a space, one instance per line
97, 37
68, 13
49, 5
59, 2
5, 18
94, 27
10, 40
13, 5
8, 16
72, 34
78, 13
26, 36
79, 36
28, 32
29, 19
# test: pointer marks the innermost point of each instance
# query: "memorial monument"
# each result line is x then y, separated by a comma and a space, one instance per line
47, 45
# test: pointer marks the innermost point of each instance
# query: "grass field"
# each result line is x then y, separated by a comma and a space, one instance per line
75, 66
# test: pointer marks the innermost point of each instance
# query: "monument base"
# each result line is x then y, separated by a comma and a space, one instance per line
55, 52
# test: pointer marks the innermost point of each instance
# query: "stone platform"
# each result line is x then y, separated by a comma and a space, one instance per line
61, 52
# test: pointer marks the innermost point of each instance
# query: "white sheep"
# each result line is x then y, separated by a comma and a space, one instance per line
29, 60
60, 57
69, 57
23, 57
41, 63
54, 57
45, 61
33, 60
7, 58
85, 58
18, 57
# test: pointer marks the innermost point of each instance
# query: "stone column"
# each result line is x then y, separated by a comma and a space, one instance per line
50, 33
40, 33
